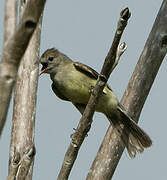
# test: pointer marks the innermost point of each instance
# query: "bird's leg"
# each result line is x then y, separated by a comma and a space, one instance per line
91, 90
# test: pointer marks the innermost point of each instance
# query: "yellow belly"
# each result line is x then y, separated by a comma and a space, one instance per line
80, 93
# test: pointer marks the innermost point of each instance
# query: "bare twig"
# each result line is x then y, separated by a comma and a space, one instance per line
86, 120
134, 97
13, 52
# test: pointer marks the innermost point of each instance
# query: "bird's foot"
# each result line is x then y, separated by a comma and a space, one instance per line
91, 89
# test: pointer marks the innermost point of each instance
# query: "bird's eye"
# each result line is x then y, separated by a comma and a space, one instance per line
51, 58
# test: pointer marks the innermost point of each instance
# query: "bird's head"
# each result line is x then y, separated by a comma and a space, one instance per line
49, 60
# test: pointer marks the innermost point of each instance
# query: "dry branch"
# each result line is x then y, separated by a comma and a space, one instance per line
13, 51
86, 120
24, 108
10, 19
134, 97
9, 29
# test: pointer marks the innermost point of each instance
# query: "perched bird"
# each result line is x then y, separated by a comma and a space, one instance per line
73, 81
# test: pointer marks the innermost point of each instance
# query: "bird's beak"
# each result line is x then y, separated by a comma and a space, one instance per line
44, 68
43, 71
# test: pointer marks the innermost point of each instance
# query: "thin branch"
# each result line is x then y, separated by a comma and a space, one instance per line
134, 97
13, 52
86, 120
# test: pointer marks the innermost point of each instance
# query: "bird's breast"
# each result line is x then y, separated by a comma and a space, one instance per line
74, 85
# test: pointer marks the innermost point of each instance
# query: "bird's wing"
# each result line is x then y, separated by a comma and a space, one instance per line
58, 93
86, 70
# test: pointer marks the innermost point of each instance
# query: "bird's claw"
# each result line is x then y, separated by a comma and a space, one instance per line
91, 90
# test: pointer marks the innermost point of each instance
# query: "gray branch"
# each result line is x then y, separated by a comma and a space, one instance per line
22, 139
86, 120
10, 19
24, 105
13, 51
134, 97
9, 29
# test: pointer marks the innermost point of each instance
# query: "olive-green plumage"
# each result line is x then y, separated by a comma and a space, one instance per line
73, 81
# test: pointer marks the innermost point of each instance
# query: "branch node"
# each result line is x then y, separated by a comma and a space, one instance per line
103, 78
163, 41
120, 50
30, 24
31, 152
74, 144
16, 159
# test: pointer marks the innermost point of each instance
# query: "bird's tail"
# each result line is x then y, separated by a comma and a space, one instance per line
133, 137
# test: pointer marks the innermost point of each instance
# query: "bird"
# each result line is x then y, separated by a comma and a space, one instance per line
73, 81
